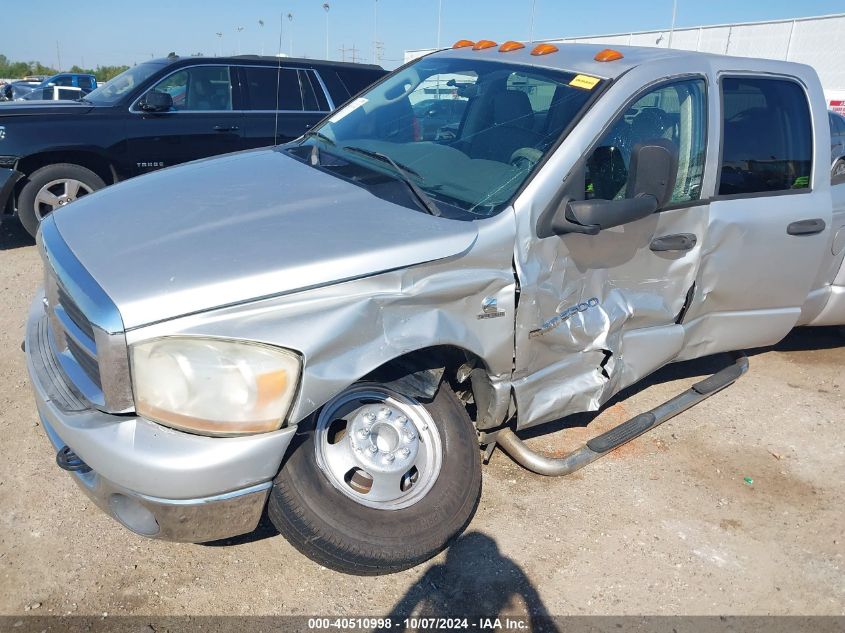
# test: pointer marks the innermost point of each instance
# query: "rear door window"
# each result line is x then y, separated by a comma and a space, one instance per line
767, 136
261, 84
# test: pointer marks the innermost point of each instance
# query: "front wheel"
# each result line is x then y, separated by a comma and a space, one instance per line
838, 169
51, 188
381, 483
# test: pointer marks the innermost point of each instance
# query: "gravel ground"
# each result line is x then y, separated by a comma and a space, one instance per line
666, 525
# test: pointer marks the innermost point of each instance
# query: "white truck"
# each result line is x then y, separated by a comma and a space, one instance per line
334, 327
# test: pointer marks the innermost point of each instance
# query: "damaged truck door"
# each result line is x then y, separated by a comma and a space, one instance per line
600, 241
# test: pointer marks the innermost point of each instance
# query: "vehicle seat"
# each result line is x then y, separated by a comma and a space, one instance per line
510, 128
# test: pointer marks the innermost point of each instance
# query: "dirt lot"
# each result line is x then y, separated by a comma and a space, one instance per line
666, 525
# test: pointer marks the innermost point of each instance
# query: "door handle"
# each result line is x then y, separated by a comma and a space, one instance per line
678, 242
806, 227
225, 128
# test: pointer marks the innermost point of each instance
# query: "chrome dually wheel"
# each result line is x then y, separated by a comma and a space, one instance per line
378, 447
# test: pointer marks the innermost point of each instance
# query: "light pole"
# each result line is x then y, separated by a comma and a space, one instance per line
674, 13
531, 21
439, 16
290, 37
375, 32
240, 28
327, 7
261, 29
219, 44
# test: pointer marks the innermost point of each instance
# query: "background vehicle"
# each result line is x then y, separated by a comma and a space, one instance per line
334, 326
837, 144
55, 93
161, 113
19, 87
44, 89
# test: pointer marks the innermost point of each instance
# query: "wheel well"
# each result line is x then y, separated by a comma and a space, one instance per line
90, 160
430, 366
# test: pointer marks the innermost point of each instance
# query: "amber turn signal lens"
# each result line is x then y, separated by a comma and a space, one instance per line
544, 49
482, 44
608, 55
463, 44
510, 45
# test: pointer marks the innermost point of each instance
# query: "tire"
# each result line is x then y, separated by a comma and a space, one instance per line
50, 180
838, 168
309, 509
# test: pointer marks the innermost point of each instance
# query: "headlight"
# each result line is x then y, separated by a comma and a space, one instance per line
213, 386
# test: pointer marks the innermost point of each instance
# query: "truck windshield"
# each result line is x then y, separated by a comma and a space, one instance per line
118, 87
468, 132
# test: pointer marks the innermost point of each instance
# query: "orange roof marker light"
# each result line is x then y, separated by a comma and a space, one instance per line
463, 44
608, 55
510, 45
544, 49
482, 44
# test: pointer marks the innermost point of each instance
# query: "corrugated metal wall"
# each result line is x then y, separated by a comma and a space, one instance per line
818, 41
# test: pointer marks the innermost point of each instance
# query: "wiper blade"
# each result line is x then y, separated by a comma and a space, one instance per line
319, 135
403, 172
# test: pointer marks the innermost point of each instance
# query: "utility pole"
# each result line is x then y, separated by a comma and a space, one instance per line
240, 28
219, 44
327, 7
261, 30
674, 13
290, 36
58, 57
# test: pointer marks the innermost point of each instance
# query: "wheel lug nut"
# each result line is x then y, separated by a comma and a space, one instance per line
411, 436
374, 449
364, 432
402, 420
384, 412
406, 452
370, 416
390, 457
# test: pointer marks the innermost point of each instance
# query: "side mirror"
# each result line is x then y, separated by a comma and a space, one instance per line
649, 186
155, 101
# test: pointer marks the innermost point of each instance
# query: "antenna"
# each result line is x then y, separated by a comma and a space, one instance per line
278, 79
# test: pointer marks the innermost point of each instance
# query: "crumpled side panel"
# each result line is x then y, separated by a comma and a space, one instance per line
346, 330
580, 295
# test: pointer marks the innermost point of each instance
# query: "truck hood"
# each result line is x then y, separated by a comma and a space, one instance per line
24, 108
238, 228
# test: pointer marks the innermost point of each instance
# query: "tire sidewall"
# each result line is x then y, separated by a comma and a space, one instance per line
385, 539
39, 178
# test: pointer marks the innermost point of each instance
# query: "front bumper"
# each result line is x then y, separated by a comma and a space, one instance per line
156, 481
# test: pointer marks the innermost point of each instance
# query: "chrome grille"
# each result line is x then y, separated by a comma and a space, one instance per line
86, 335
74, 313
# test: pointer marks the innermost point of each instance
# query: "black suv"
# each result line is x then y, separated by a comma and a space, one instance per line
161, 113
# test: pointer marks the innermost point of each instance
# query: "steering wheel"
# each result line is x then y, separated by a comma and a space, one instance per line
526, 157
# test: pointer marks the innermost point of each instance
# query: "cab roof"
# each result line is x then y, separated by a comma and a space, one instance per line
581, 57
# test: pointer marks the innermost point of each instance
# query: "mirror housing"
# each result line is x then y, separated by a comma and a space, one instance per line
155, 101
649, 187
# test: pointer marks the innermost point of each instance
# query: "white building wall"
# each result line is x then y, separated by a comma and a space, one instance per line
817, 41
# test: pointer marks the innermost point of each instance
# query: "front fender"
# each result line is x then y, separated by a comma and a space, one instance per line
8, 179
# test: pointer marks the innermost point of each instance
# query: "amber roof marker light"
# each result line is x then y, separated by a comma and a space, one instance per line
463, 44
482, 44
544, 49
608, 55
510, 45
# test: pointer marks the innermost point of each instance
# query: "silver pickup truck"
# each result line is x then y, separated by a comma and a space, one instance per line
334, 328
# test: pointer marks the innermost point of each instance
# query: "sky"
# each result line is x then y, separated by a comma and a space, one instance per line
99, 32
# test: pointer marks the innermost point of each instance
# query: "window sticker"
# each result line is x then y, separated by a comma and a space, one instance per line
584, 81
